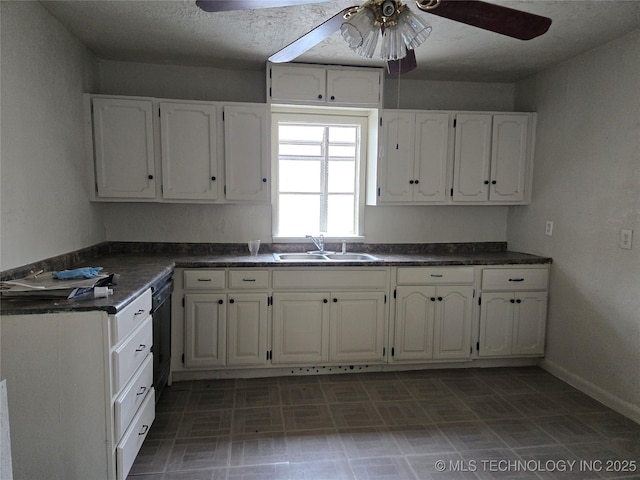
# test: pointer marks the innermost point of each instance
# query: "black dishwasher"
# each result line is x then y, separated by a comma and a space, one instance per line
161, 313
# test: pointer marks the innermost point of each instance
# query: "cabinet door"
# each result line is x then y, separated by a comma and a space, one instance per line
431, 157
354, 87
496, 324
529, 323
397, 146
300, 328
246, 153
415, 311
298, 84
247, 329
452, 326
189, 160
357, 327
508, 158
205, 330
472, 158
124, 148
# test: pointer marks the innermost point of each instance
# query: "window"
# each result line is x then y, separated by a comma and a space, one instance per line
319, 174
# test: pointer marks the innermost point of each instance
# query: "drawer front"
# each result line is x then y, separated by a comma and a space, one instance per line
435, 275
130, 317
131, 353
248, 279
130, 444
204, 279
133, 395
365, 279
515, 279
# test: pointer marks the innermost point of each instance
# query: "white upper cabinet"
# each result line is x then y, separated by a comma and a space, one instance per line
246, 153
123, 133
413, 157
137, 141
189, 155
491, 158
324, 85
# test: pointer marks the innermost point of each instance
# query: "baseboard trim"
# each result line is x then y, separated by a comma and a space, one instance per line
621, 406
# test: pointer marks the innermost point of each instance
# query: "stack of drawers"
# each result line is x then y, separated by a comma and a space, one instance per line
132, 380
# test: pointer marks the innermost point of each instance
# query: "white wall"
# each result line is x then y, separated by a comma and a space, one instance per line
238, 223
44, 199
587, 181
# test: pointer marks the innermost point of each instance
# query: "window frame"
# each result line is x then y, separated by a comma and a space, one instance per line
323, 116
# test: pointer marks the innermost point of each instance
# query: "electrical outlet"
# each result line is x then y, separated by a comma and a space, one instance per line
626, 238
548, 228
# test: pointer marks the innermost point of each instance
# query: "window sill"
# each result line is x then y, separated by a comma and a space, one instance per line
348, 239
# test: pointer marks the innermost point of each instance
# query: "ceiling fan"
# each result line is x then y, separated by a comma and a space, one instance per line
401, 30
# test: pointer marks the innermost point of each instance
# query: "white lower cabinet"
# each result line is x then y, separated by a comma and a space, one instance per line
80, 388
205, 330
433, 323
247, 316
513, 312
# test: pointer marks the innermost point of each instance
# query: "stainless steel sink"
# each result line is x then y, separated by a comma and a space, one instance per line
299, 257
352, 257
327, 257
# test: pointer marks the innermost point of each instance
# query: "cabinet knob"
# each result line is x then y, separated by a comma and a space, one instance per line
411, 182
333, 97
493, 182
324, 300
213, 179
518, 301
141, 347
433, 299
439, 299
335, 300
486, 182
320, 97
417, 181
512, 301
220, 302
150, 177
231, 300
264, 180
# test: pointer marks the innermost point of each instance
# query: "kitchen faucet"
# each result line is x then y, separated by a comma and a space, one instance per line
319, 242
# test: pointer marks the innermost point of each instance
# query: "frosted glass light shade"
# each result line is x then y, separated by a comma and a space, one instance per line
356, 29
393, 46
414, 31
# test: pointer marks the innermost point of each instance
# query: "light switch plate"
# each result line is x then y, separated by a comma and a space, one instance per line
626, 239
548, 228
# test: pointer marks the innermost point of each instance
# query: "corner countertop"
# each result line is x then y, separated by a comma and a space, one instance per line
139, 271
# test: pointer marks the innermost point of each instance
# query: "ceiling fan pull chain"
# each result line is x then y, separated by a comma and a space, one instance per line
398, 112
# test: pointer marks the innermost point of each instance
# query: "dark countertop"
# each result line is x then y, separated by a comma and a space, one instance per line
140, 271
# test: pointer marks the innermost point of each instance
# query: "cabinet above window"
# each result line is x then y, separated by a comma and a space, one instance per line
156, 150
324, 85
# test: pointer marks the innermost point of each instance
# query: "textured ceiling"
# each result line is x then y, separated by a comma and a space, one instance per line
177, 32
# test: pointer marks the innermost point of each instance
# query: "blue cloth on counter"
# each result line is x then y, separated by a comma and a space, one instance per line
84, 272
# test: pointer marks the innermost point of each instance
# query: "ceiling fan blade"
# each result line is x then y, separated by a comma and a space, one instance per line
310, 39
404, 65
229, 5
495, 18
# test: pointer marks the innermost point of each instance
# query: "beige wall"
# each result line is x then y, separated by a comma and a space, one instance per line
45, 70
587, 181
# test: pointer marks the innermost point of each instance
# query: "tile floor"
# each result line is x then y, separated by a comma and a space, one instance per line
470, 423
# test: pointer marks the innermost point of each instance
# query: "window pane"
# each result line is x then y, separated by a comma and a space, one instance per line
340, 216
296, 150
342, 151
298, 214
299, 175
301, 132
342, 134
342, 176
